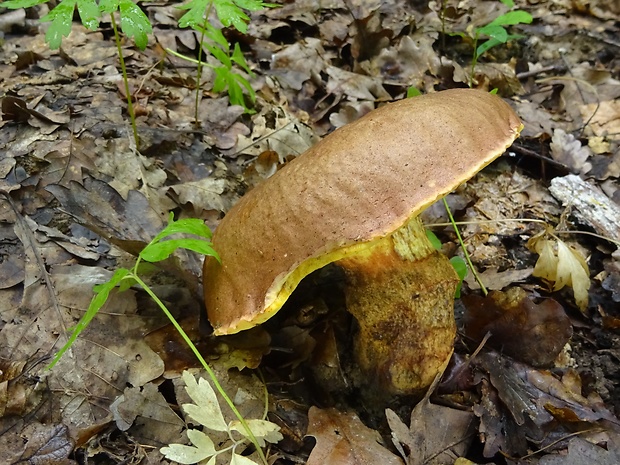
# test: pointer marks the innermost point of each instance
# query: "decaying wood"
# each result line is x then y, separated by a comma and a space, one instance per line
590, 205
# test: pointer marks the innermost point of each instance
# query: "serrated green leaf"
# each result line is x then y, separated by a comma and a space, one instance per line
206, 409
162, 250
16, 4
253, 5
89, 13
135, 23
60, 17
230, 14
238, 58
102, 292
109, 6
219, 54
221, 78
217, 36
187, 225
195, 15
235, 94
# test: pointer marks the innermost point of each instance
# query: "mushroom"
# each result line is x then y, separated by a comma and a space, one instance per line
354, 199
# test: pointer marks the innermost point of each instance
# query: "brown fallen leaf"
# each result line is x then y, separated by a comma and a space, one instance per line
520, 404
437, 435
533, 333
342, 439
582, 452
36, 443
149, 412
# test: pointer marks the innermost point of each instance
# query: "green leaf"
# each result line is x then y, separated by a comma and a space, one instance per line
238, 58
135, 23
60, 18
230, 14
254, 5
109, 6
221, 78
219, 54
15, 4
495, 32
487, 45
195, 15
512, 18
493, 42
460, 267
436, 243
238, 82
413, 92
89, 13
216, 36
187, 226
508, 3
102, 292
161, 250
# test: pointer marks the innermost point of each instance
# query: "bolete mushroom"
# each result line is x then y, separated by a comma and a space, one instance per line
354, 199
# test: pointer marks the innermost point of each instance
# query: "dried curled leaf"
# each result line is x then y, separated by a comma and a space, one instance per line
561, 265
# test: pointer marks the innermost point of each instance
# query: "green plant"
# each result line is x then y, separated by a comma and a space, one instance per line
230, 13
123, 278
457, 262
135, 24
206, 411
493, 33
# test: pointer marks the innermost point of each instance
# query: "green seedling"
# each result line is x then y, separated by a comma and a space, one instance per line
206, 410
457, 262
226, 78
493, 33
136, 25
160, 248
230, 13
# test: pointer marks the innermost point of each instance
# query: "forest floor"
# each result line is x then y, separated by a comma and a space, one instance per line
78, 199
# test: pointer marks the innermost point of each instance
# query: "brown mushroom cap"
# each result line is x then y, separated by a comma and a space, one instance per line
360, 183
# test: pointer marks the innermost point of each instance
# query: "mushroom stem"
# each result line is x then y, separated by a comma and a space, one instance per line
401, 292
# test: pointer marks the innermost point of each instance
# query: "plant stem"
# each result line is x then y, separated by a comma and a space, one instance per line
474, 60
132, 115
200, 65
465, 253
204, 363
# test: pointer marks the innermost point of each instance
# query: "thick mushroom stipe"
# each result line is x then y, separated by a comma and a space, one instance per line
401, 292
356, 187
